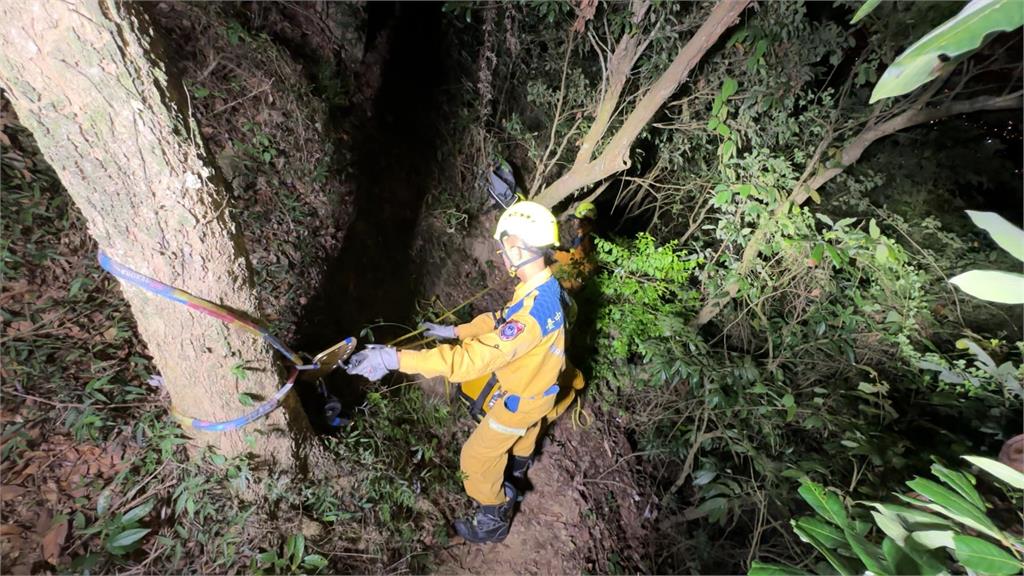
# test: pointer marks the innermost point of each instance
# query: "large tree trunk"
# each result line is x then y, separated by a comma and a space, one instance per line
84, 78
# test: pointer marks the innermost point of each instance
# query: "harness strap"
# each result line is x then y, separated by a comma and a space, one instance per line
476, 410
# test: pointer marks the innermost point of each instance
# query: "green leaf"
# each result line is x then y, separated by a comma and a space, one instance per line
834, 255
728, 149
925, 559
864, 10
965, 344
960, 34
714, 509
762, 569
729, 88
943, 496
723, 130
1005, 234
76, 285
825, 502
315, 561
891, 526
246, 399
842, 565
961, 482
755, 59
295, 549
817, 253
932, 539
103, 502
881, 253
814, 195
899, 559
999, 470
984, 557
992, 285
869, 554
127, 537
84, 564
826, 533
912, 518
950, 504
723, 197
139, 512
873, 230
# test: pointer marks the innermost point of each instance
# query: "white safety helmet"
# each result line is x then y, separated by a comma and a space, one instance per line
531, 222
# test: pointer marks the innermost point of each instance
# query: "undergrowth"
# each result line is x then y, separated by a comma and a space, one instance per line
97, 477
826, 363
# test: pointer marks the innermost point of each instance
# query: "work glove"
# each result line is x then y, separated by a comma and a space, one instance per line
440, 331
373, 362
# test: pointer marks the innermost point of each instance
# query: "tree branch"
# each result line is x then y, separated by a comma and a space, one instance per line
850, 154
615, 156
913, 117
620, 63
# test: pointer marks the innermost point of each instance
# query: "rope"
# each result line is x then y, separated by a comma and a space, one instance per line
203, 306
580, 417
439, 318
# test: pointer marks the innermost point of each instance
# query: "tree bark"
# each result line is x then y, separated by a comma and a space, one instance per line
823, 172
84, 78
620, 64
615, 156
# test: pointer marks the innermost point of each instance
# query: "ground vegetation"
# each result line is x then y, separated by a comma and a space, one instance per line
771, 340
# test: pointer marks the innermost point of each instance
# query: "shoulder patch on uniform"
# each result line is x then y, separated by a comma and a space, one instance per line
547, 307
509, 330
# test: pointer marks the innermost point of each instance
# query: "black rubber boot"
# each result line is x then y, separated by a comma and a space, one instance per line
520, 465
491, 523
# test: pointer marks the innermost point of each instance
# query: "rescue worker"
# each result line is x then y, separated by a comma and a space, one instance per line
575, 263
521, 347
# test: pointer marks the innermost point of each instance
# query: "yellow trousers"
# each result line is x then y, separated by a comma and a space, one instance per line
485, 453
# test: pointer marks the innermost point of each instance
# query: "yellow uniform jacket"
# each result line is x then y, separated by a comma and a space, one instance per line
522, 346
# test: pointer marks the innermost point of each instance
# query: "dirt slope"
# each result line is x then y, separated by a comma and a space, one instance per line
584, 514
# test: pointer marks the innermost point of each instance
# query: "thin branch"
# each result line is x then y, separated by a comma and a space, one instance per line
242, 99
78, 405
538, 176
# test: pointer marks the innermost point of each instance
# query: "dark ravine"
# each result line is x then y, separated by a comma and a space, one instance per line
384, 131
393, 149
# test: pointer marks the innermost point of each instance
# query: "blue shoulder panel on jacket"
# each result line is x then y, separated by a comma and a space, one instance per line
514, 308
547, 307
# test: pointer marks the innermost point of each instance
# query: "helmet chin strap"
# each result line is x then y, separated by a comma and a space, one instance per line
513, 268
